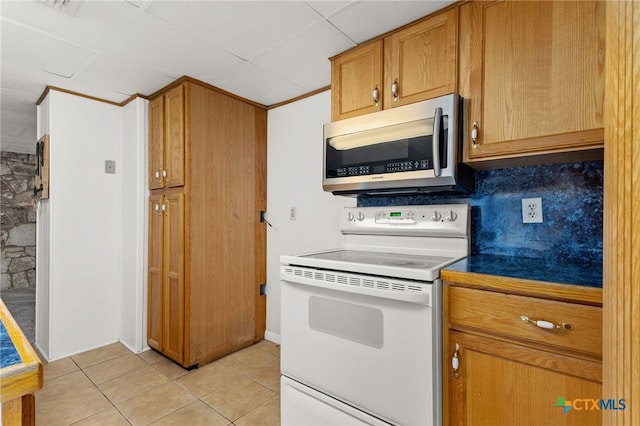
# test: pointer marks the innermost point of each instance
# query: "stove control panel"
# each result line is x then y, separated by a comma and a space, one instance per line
434, 220
396, 216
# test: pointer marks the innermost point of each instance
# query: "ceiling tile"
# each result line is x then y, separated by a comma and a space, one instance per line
327, 8
364, 20
244, 28
124, 77
252, 82
309, 68
40, 51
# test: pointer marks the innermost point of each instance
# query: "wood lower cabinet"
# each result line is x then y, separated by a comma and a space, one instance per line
532, 76
414, 63
502, 370
207, 245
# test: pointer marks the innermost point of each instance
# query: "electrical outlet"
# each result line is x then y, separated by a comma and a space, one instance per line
532, 210
293, 213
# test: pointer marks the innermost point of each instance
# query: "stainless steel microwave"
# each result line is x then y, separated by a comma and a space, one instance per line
412, 148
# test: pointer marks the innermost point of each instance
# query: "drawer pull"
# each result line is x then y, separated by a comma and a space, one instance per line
547, 325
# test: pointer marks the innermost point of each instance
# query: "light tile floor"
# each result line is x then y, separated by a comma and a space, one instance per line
111, 386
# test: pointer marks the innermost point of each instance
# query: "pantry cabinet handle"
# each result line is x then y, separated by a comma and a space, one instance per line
394, 90
547, 324
474, 135
455, 362
164, 208
376, 94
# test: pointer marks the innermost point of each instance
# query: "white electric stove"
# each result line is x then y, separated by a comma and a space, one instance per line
362, 324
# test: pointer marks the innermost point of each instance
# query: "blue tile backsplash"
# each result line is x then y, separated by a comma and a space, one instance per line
572, 207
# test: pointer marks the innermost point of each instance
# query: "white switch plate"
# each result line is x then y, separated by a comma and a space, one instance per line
532, 210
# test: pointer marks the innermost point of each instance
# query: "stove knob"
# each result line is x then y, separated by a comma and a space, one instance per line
350, 217
452, 216
360, 216
436, 216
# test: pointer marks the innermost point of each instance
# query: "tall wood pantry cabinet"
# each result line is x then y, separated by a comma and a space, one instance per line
207, 245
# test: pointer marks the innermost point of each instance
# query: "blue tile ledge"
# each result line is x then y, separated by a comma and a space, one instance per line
539, 270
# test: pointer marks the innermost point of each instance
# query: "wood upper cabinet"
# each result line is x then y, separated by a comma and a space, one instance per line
356, 81
421, 60
414, 63
532, 76
500, 369
167, 139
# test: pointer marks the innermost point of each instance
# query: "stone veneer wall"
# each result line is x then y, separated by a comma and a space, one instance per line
18, 220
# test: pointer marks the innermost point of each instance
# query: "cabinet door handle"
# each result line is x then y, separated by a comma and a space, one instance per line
376, 95
455, 362
394, 90
165, 173
165, 209
158, 175
547, 324
474, 134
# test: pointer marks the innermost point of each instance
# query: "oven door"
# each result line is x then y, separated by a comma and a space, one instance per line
370, 348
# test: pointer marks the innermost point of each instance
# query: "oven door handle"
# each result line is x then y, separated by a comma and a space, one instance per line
288, 275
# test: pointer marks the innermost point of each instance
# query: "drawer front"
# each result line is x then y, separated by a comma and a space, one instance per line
501, 313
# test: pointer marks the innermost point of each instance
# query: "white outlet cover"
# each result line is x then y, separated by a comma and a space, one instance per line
532, 210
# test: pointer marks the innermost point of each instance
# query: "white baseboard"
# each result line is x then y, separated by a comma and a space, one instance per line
272, 337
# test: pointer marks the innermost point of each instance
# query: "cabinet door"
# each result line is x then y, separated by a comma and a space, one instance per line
174, 283
154, 291
532, 74
501, 383
355, 75
156, 142
421, 60
174, 156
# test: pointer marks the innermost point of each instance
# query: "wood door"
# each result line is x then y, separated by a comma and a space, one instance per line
532, 74
501, 383
174, 283
421, 60
155, 274
354, 77
174, 159
156, 142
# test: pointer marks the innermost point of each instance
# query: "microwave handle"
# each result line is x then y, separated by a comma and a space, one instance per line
435, 140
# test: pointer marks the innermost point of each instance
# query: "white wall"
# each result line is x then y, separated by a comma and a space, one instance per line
91, 234
133, 243
294, 179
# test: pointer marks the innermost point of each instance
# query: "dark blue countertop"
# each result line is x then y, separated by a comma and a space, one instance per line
9, 354
531, 269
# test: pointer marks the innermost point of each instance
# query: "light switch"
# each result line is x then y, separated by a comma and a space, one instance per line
110, 166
